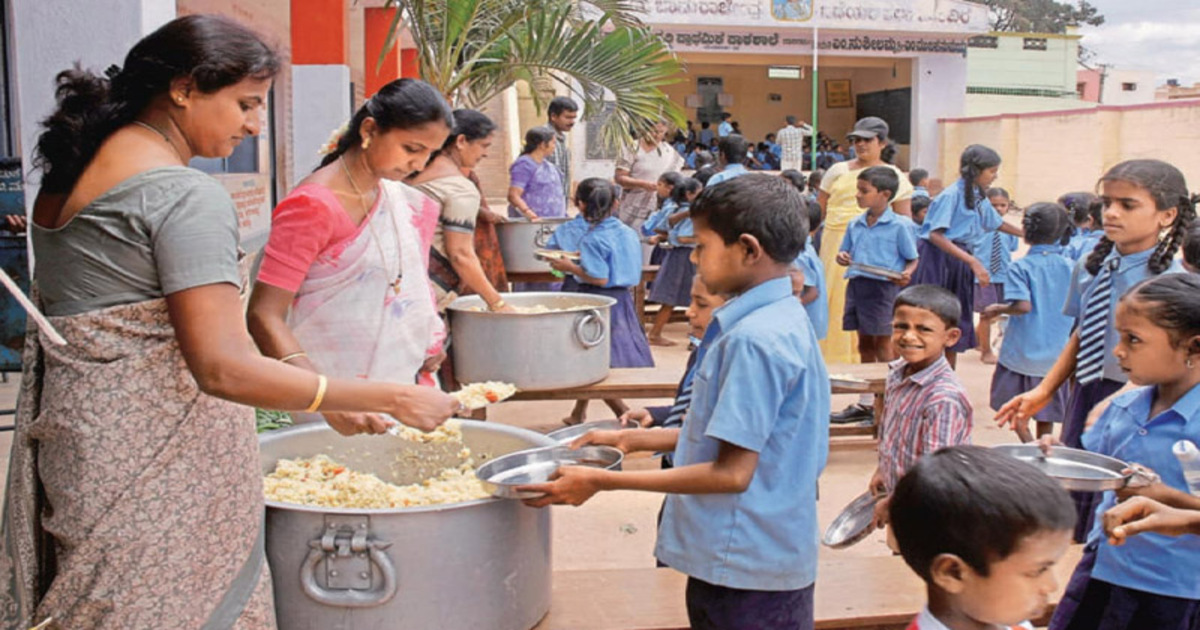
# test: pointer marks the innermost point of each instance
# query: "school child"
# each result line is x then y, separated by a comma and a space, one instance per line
1191, 249
1142, 199
740, 518
919, 178
881, 238
1150, 580
567, 236
610, 262
1087, 213
919, 207
796, 178
1037, 328
812, 290
994, 251
1138, 515
925, 405
984, 531
957, 218
654, 228
673, 283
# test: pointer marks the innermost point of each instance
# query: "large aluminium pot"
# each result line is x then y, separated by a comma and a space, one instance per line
482, 564
567, 347
519, 238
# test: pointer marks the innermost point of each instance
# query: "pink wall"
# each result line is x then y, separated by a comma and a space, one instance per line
1091, 85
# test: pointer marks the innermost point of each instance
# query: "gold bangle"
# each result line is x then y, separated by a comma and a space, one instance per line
322, 383
499, 304
294, 355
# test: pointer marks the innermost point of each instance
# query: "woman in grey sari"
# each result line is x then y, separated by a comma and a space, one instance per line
134, 495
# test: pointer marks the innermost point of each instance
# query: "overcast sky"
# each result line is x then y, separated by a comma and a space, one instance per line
1158, 35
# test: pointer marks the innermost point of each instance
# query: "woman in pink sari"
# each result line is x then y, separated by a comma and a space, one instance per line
344, 286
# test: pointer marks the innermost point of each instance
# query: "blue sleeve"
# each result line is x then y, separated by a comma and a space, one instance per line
1097, 437
754, 381
810, 270
847, 240
1012, 242
988, 217
906, 243
941, 211
1017, 287
1072, 307
685, 229
594, 258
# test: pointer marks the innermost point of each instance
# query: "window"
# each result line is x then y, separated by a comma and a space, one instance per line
1128, 87
984, 41
1035, 43
1079, 88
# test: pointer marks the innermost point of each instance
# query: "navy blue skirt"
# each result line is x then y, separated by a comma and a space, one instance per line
1007, 384
1089, 604
673, 282
939, 268
714, 607
627, 336
1083, 399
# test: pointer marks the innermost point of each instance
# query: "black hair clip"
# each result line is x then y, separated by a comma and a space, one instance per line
112, 71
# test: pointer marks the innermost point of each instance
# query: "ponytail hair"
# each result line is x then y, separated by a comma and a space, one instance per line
1047, 223
214, 52
686, 186
401, 104
1168, 188
536, 137
596, 197
975, 160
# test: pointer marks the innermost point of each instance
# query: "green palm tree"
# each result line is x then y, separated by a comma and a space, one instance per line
473, 49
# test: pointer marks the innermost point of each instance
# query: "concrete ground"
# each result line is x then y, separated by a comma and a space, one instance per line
617, 529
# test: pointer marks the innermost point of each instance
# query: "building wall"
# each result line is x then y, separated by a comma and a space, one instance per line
994, 104
1012, 65
1117, 82
1048, 154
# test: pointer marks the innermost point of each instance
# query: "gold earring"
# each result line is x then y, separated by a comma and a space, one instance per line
366, 143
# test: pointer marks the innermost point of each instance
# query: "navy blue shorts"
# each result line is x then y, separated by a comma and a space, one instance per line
869, 306
712, 607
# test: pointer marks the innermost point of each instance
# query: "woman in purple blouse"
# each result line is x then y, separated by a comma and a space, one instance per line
536, 189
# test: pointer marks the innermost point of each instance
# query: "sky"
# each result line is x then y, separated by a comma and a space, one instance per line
1158, 35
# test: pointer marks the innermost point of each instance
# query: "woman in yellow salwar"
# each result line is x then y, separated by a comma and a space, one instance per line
840, 207
134, 495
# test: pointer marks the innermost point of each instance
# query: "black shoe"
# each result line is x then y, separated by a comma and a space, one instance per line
853, 413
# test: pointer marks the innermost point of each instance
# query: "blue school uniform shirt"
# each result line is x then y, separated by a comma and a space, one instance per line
731, 171
983, 253
658, 219
760, 385
889, 243
1147, 562
1131, 270
1082, 244
920, 191
1034, 340
611, 250
948, 211
683, 229
567, 236
814, 276
724, 129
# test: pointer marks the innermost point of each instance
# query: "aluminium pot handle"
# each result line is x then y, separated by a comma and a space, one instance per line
586, 319
349, 598
545, 231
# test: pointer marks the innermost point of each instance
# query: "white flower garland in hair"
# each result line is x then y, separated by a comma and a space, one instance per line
331, 144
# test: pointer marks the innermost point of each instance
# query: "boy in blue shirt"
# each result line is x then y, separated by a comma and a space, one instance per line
811, 292
740, 517
882, 241
984, 531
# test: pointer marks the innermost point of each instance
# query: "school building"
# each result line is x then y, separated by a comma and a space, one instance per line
761, 60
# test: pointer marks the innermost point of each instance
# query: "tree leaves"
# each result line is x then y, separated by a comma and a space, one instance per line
1041, 16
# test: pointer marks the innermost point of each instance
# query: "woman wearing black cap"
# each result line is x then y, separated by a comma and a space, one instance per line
838, 204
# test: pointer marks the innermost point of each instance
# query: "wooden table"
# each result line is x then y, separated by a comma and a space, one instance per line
639, 291
661, 382
853, 593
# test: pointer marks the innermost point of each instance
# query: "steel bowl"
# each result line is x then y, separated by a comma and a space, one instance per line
503, 475
853, 523
1075, 469
566, 435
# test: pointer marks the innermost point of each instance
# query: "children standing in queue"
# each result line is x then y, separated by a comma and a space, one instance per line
1147, 211
984, 531
925, 404
993, 250
1037, 328
610, 263
883, 240
1087, 213
740, 518
1150, 580
811, 291
957, 218
673, 282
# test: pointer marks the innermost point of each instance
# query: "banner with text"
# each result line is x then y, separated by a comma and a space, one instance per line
924, 16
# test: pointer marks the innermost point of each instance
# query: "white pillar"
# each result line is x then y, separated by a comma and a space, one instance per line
939, 91
320, 104
48, 36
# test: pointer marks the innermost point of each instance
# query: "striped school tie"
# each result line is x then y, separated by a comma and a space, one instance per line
995, 264
1089, 363
683, 399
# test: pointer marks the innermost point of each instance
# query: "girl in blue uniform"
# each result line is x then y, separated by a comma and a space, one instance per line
958, 218
994, 250
673, 284
610, 263
1147, 211
1087, 213
1150, 580
655, 227
1037, 329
